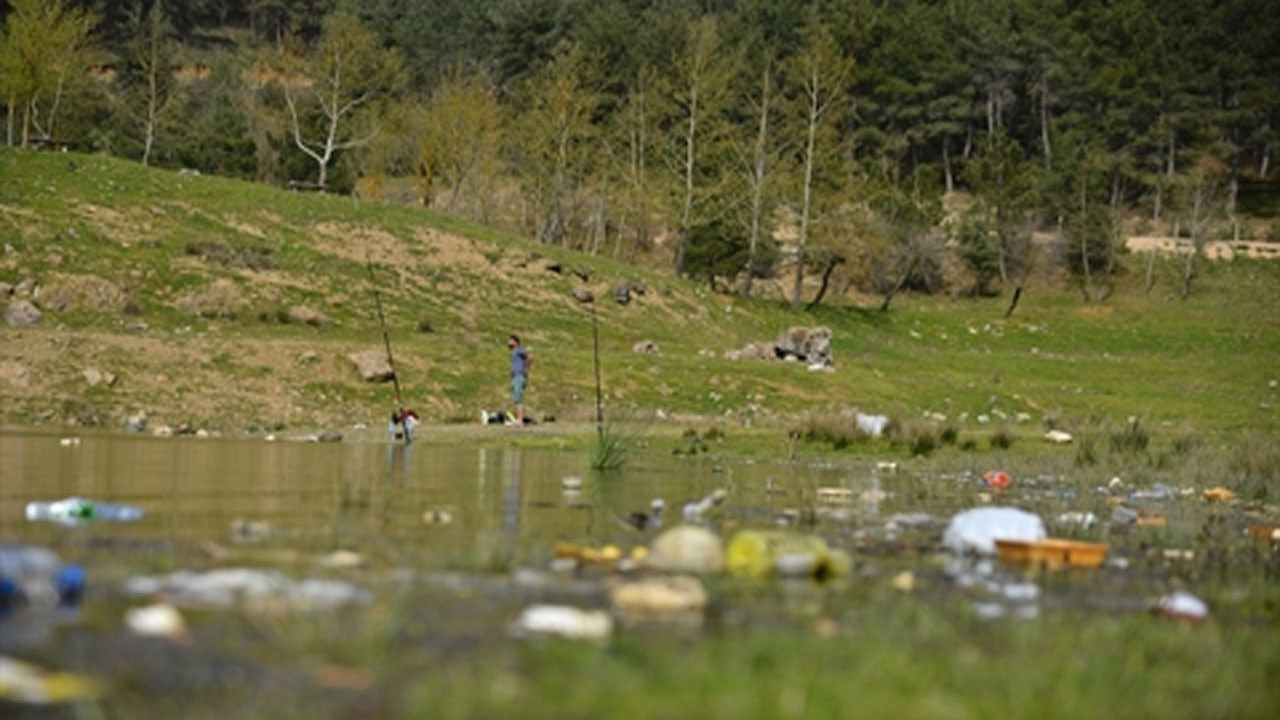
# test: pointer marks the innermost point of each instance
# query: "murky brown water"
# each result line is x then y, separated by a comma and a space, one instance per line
365, 496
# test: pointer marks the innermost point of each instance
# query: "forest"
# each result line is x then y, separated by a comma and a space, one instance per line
877, 144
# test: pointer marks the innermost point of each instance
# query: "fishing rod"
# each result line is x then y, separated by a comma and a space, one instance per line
386, 341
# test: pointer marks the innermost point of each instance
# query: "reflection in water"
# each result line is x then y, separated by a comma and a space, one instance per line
385, 501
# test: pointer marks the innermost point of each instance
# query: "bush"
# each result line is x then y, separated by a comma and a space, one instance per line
1132, 438
949, 435
1001, 439
921, 437
838, 430
1257, 461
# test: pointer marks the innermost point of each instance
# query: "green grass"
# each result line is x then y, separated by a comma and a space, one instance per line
1206, 362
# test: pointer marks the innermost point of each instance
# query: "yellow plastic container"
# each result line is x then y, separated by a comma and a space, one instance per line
766, 553
1052, 553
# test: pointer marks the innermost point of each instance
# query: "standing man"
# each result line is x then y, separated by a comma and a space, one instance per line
521, 361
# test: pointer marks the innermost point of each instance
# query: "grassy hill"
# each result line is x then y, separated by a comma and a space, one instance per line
182, 288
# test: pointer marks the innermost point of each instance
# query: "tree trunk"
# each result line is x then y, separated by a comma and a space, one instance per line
902, 281
1044, 128
1151, 272
686, 212
759, 165
807, 193
826, 281
9, 120
1084, 240
1155, 213
1171, 161
949, 182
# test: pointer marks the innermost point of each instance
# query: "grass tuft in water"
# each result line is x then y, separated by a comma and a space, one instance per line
610, 449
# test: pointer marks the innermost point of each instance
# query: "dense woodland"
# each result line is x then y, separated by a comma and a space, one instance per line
845, 142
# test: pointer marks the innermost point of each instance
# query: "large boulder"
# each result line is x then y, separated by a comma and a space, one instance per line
372, 365
21, 313
806, 344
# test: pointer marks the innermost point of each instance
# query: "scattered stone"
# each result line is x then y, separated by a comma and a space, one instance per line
308, 357
16, 374
82, 291
752, 351
6, 289
688, 549
96, 377
658, 596
554, 267
646, 347
1058, 437
582, 274
137, 327
583, 295
637, 287
221, 299
563, 621
136, 423
25, 288
21, 313
342, 560
308, 316
622, 294
331, 436
372, 365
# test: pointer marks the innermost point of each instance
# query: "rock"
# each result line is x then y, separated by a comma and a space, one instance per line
751, 351
96, 377
221, 299
1058, 437
582, 274
82, 291
6, 289
308, 357
25, 288
660, 596
622, 294
16, 374
688, 549
977, 530
583, 295
563, 621
637, 287
554, 267
646, 347
331, 436
808, 344
136, 422
372, 365
307, 316
21, 313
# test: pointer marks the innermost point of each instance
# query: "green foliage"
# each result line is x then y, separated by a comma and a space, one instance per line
610, 449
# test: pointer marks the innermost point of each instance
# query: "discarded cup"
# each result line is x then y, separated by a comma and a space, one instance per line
78, 511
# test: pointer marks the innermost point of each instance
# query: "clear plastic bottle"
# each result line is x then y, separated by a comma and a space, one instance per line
78, 510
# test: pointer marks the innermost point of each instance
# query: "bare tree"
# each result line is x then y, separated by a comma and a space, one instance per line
822, 71
152, 51
347, 70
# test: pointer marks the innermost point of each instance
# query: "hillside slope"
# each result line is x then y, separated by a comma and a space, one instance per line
227, 305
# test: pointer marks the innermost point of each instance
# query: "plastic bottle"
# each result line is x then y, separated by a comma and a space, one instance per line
33, 575
77, 510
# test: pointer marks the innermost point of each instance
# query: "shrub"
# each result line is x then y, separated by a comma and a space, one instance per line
1132, 438
949, 435
1001, 439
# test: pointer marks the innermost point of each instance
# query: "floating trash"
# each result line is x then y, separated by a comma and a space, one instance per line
1219, 494
694, 511
761, 553
977, 530
660, 596
606, 555
22, 682
563, 621
159, 620
687, 548
1052, 553
80, 511
254, 589
997, 479
1082, 519
835, 495
1182, 605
